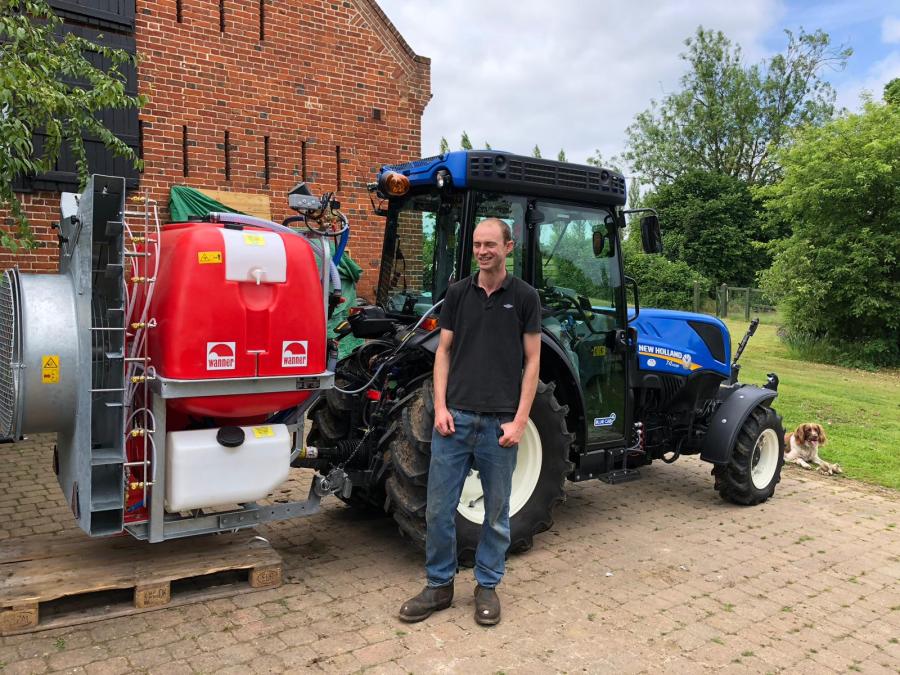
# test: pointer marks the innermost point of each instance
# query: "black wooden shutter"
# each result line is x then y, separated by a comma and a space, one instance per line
86, 18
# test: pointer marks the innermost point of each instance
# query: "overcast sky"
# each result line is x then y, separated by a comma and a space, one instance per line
573, 74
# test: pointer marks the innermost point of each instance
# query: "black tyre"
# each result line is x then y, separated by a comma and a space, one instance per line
538, 483
754, 469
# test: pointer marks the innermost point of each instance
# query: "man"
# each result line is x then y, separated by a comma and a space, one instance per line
490, 327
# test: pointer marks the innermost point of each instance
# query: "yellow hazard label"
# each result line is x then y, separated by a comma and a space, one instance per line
263, 432
50, 369
599, 350
209, 257
254, 240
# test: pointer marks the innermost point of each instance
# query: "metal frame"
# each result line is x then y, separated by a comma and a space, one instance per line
162, 525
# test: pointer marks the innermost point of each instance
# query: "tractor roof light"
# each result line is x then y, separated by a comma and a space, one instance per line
393, 184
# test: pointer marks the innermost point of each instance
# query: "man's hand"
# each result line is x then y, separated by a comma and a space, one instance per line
512, 433
443, 422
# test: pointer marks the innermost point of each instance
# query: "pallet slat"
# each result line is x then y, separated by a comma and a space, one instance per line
35, 571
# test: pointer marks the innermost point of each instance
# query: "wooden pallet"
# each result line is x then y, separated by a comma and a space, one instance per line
63, 580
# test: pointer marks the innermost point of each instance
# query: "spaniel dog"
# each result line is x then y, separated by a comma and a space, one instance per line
804, 448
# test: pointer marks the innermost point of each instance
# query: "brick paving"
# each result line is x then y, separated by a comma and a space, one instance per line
650, 576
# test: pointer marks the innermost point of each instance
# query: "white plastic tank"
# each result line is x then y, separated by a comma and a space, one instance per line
231, 465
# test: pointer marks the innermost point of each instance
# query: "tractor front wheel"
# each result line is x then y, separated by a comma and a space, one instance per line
754, 469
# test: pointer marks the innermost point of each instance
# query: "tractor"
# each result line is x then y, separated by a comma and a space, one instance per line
620, 385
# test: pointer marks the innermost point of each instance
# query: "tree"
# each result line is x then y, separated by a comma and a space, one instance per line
445, 146
464, 142
48, 85
561, 157
729, 118
710, 222
487, 146
536, 151
892, 91
837, 276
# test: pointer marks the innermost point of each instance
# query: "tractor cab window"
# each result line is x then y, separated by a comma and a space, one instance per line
419, 257
577, 266
510, 209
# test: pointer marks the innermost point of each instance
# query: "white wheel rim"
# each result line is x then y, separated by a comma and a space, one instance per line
765, 459
524, 479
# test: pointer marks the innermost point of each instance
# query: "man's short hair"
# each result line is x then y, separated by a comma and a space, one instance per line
502, 224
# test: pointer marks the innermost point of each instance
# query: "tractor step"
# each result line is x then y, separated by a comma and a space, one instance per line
55, 580
620, 476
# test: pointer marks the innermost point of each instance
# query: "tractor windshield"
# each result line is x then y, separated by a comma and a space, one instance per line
420, 247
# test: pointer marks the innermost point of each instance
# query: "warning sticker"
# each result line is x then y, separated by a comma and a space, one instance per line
254, 240
209, 257
263, 432
50, 369
293, 353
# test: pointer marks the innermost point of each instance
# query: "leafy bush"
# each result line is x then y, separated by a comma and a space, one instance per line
837, 277
662, 282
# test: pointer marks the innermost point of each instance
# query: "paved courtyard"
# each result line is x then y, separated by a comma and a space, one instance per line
658, 575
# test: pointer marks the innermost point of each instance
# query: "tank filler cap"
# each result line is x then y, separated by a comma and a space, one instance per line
230, 437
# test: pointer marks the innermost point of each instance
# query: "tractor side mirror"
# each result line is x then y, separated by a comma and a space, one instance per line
597, 242
651, 237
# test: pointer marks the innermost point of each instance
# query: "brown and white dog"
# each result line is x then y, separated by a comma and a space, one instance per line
804, 445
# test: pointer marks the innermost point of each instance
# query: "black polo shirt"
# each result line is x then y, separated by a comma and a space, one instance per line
487, 357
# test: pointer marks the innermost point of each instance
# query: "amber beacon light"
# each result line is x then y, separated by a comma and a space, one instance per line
394, 184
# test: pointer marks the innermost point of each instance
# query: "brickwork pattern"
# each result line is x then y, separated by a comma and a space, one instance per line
311, 87
653, 576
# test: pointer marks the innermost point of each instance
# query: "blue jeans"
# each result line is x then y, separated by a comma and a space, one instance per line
475, 440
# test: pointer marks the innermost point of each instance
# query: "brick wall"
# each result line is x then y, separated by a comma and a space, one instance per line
310, 86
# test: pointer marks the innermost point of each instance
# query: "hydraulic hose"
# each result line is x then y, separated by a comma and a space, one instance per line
242, 219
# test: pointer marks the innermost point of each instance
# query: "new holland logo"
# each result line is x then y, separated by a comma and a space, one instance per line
220, 355
293, 353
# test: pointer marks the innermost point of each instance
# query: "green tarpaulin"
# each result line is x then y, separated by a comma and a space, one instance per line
185, 201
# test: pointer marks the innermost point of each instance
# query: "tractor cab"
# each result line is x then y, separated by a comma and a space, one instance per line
565, 224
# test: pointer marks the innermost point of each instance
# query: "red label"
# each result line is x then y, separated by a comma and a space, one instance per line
220, 356
293, 353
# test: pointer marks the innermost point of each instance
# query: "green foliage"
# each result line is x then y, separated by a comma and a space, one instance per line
444, 147
536, 151
663, 283
892, 91
48, 85
730, 118
464, 142
561, 157
487, 146
710, 221
837, 277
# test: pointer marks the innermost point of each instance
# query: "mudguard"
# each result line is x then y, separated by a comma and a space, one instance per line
727, 421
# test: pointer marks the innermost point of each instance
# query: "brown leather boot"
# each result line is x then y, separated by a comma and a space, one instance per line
426, 603
487, 606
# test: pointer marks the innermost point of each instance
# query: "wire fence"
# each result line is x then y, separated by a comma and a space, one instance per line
732, 301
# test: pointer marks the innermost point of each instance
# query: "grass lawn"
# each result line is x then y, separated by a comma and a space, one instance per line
859, 410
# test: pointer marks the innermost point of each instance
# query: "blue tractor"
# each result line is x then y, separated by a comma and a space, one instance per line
620, 385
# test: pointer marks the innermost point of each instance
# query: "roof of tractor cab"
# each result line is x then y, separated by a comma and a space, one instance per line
517, 174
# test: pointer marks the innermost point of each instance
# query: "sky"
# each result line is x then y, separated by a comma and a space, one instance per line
572, 74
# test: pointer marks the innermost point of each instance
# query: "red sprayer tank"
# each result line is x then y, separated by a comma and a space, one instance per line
234, 301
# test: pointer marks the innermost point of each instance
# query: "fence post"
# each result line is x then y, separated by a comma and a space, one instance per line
747, 306
696, 297
723, 290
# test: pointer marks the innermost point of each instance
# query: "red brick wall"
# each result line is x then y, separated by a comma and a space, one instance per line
316, 77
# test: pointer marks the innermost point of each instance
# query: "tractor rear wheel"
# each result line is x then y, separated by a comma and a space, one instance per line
537, 485
754, 469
